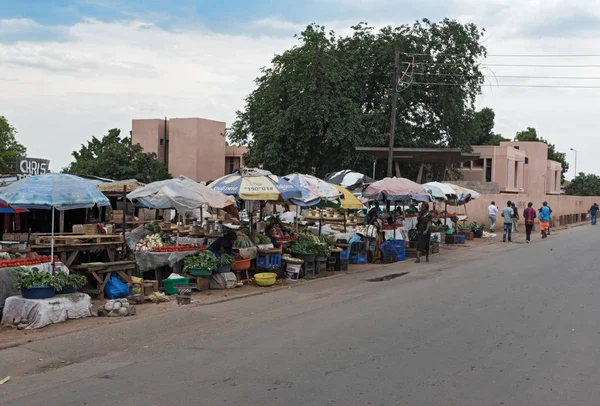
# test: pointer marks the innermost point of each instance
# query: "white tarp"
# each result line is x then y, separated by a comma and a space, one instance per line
31, 314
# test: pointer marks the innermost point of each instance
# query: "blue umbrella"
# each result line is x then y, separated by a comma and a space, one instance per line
52, 191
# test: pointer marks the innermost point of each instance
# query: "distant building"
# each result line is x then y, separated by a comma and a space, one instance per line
516, 167
193, 147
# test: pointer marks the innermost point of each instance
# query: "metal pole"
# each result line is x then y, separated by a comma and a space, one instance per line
374, 164
574, 150
393, 118
52, 245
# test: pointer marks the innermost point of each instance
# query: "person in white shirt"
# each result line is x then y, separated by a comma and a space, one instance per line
492, 213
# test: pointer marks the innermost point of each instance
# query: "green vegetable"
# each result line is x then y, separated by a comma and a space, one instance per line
205, 260
323, 250
26, 278
242, 242
226, 259
304, 245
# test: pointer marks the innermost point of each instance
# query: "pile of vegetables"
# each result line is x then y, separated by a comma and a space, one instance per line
178, 248
258, 239
242, 242
29, 261
285, 238
205, 260
323, 250
226, 259
26, 278
149, 243
154, 227
305, 245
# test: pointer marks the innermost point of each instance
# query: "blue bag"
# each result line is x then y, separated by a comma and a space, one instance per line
115, 289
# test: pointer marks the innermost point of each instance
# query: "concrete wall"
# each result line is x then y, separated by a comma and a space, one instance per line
196, 148
148, 133
536, 167
561, 205
553, 177
508, 167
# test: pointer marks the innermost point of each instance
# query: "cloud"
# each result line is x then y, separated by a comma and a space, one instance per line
59, 85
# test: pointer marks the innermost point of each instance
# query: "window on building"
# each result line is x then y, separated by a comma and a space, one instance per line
526, 160
516, 147
478, 163
162, 141
516, 175
488, 170
231, 165
556, 184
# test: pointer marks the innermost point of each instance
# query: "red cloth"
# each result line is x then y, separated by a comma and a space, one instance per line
529, 215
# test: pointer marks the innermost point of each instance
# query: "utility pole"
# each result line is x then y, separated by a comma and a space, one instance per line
393, 118
574, 150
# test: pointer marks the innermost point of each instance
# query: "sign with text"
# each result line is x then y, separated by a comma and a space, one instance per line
27, 167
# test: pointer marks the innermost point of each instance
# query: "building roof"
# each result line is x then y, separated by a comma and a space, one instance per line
423, 155
117, 186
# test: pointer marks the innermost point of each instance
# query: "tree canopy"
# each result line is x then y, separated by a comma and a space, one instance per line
116, 158
323, 98
10, 148
530, 134
584, 185
482, 130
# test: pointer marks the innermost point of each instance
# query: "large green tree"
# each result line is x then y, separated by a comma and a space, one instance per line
482, 130
117, 158
323, 98
584, 185
530, 134
10, 148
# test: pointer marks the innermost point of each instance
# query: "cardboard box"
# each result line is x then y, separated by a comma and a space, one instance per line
90, 229
78, 229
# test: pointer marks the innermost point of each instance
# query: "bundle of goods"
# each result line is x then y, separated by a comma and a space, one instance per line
149, 243
29, 261
178, 248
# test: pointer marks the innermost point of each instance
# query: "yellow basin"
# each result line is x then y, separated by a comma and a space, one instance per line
265, 278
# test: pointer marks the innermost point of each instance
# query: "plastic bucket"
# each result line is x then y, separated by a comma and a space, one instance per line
38, 292
292, 271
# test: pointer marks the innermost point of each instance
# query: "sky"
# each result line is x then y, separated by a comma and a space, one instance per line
72, 69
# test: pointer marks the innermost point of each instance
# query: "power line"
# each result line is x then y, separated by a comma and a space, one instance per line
513, 85
510, 65
523, 55
509, 76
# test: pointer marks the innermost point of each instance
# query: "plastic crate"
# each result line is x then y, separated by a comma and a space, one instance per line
359, 258
331, 262
320, 266
341, 265
169, 285
358, 247
307, 268
389, 258
268, 261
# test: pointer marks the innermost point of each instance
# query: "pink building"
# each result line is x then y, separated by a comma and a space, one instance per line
516, 167
193, 147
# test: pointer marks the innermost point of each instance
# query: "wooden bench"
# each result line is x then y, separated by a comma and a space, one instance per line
101, 272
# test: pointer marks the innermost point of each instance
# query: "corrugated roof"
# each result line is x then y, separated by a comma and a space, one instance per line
114, 187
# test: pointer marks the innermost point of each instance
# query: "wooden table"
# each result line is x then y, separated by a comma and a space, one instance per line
101, 272
69, 252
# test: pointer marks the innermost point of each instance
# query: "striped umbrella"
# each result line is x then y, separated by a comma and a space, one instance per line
440, 190
256, 184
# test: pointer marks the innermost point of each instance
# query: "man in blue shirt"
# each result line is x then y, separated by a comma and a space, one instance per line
508, 214
594, 212
545, 219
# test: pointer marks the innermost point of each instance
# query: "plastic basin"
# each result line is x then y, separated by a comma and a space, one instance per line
265, 278
241, 265
200, 272
38, 292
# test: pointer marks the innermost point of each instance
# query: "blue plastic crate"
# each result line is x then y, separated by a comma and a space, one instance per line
359, 258
345, 254
402, 255
268, 261
400, 245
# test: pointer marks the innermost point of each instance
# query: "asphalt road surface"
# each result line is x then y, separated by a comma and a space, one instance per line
518, 327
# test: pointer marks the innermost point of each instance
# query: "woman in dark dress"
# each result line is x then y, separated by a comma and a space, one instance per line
424, 232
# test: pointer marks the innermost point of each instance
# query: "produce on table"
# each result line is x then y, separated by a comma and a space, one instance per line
206, 260
26, 278
304, 245
226, 259
286, 238
73, 281
153, 226
243, 242
178, 248
149, 243
28, 261
323, 250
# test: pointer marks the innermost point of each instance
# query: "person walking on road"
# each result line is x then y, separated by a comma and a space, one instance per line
594, 212
545, 219
507, 214
492, 213
424, 232
515, 218
529, 216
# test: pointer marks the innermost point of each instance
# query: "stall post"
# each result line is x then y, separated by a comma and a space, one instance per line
320, 220
124, 250
394, 220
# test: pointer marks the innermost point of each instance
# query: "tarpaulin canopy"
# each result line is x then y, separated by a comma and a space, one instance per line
440, 190
348, 179
313, 189
256, 184
4, 209
463, 193
396, 189
181, 193
58, 190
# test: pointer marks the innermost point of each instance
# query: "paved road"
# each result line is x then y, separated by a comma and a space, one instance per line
518, 327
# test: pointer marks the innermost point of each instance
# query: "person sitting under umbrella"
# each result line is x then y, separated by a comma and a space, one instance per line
223, 245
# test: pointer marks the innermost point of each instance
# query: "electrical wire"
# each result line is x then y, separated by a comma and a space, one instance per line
510, 65
523, 55
513, 85
509, 76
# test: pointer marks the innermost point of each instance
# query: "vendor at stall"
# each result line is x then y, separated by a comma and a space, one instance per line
423, 232
223, 245
270, 232
373, 214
